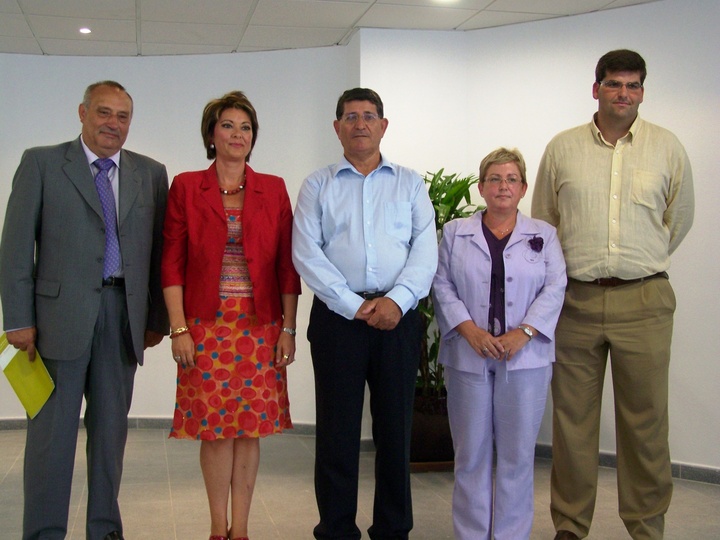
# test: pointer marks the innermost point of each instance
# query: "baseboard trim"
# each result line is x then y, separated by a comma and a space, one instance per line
680, 471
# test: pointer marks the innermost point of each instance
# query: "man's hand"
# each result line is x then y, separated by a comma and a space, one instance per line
384, 314
365, 310
152, 338
24, 340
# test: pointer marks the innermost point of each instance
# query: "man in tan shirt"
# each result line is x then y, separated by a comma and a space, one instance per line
620, 192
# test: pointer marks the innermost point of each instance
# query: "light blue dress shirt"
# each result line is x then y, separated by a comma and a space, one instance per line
355, 233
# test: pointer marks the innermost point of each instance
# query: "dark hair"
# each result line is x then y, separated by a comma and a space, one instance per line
501, 156
620, 60
211, 115
358, 94
87, 97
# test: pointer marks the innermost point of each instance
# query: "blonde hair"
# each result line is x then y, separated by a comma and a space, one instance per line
500, 156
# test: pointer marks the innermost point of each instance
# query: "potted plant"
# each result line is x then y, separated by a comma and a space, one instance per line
431, 443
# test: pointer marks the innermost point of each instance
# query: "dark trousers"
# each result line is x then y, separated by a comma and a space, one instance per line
104, 374
347, 355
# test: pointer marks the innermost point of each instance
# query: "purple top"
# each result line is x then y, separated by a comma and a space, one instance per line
496, 313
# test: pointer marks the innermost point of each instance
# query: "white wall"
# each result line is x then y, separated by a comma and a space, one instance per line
294, 93
450, 99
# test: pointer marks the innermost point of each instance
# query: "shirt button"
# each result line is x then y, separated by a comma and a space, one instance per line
509, 279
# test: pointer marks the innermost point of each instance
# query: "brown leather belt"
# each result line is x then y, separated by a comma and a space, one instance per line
615, 282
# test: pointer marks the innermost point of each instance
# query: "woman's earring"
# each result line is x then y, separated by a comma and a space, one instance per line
212, 146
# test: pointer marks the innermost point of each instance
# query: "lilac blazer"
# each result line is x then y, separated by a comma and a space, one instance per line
534, 289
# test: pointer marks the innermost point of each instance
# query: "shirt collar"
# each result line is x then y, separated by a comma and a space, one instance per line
344, 165
631, 134
91, 157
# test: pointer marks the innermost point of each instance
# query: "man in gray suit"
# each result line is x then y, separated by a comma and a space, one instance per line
89, 308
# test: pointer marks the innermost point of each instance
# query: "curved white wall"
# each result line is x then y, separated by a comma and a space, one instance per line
450, 99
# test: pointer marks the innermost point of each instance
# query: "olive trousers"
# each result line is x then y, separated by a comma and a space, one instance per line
633, 324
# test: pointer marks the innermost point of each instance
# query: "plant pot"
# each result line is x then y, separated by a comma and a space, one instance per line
431, 447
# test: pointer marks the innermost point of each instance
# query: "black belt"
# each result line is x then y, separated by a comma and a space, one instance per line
113, 282
372, 295
615, 282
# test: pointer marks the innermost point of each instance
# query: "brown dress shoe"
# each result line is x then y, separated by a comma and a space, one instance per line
115, 535
566, 535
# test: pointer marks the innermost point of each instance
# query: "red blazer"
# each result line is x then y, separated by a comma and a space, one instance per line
195, 235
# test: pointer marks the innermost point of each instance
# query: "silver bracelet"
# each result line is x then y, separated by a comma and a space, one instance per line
290, 331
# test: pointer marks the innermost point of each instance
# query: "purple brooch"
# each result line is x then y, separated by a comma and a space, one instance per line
536, 243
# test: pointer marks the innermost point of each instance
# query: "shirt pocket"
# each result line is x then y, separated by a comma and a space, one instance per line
648, 189
398, 220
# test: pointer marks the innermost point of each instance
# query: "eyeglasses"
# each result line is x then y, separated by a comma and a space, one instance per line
617, 85
510, 180
352, 118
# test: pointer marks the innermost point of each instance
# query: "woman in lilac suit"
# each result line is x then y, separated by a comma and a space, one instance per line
498, 293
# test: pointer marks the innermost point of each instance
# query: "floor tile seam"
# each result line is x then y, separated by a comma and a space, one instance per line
14, 464
76, 516
270, 516
169, 486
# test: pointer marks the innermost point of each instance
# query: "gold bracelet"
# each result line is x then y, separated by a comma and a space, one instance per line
179, 332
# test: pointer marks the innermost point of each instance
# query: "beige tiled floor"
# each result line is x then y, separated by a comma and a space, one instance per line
163, 497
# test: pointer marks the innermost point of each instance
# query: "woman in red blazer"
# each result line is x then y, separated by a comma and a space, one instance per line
231, 292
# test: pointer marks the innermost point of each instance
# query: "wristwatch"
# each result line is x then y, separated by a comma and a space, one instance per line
290, 331
527, 330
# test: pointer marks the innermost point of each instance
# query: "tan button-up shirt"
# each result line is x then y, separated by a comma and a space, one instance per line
621, 210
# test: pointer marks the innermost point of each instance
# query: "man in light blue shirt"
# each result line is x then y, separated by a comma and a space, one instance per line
364, 241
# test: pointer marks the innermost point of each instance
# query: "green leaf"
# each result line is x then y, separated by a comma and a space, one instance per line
451, 197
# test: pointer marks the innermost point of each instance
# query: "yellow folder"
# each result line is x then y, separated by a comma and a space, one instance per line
30, 380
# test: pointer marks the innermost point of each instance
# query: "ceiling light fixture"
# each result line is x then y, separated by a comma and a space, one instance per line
85, 30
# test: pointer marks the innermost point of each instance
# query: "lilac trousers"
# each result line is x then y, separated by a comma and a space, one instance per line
501, 409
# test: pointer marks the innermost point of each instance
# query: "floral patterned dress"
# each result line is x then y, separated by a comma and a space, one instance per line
234, 390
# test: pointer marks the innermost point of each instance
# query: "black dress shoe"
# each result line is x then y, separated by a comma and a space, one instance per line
566, 535
114, 536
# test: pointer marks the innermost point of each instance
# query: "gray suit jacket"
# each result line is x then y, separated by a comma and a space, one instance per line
53, 242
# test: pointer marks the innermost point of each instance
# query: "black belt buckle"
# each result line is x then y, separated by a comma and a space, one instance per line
113, 281
372, 295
